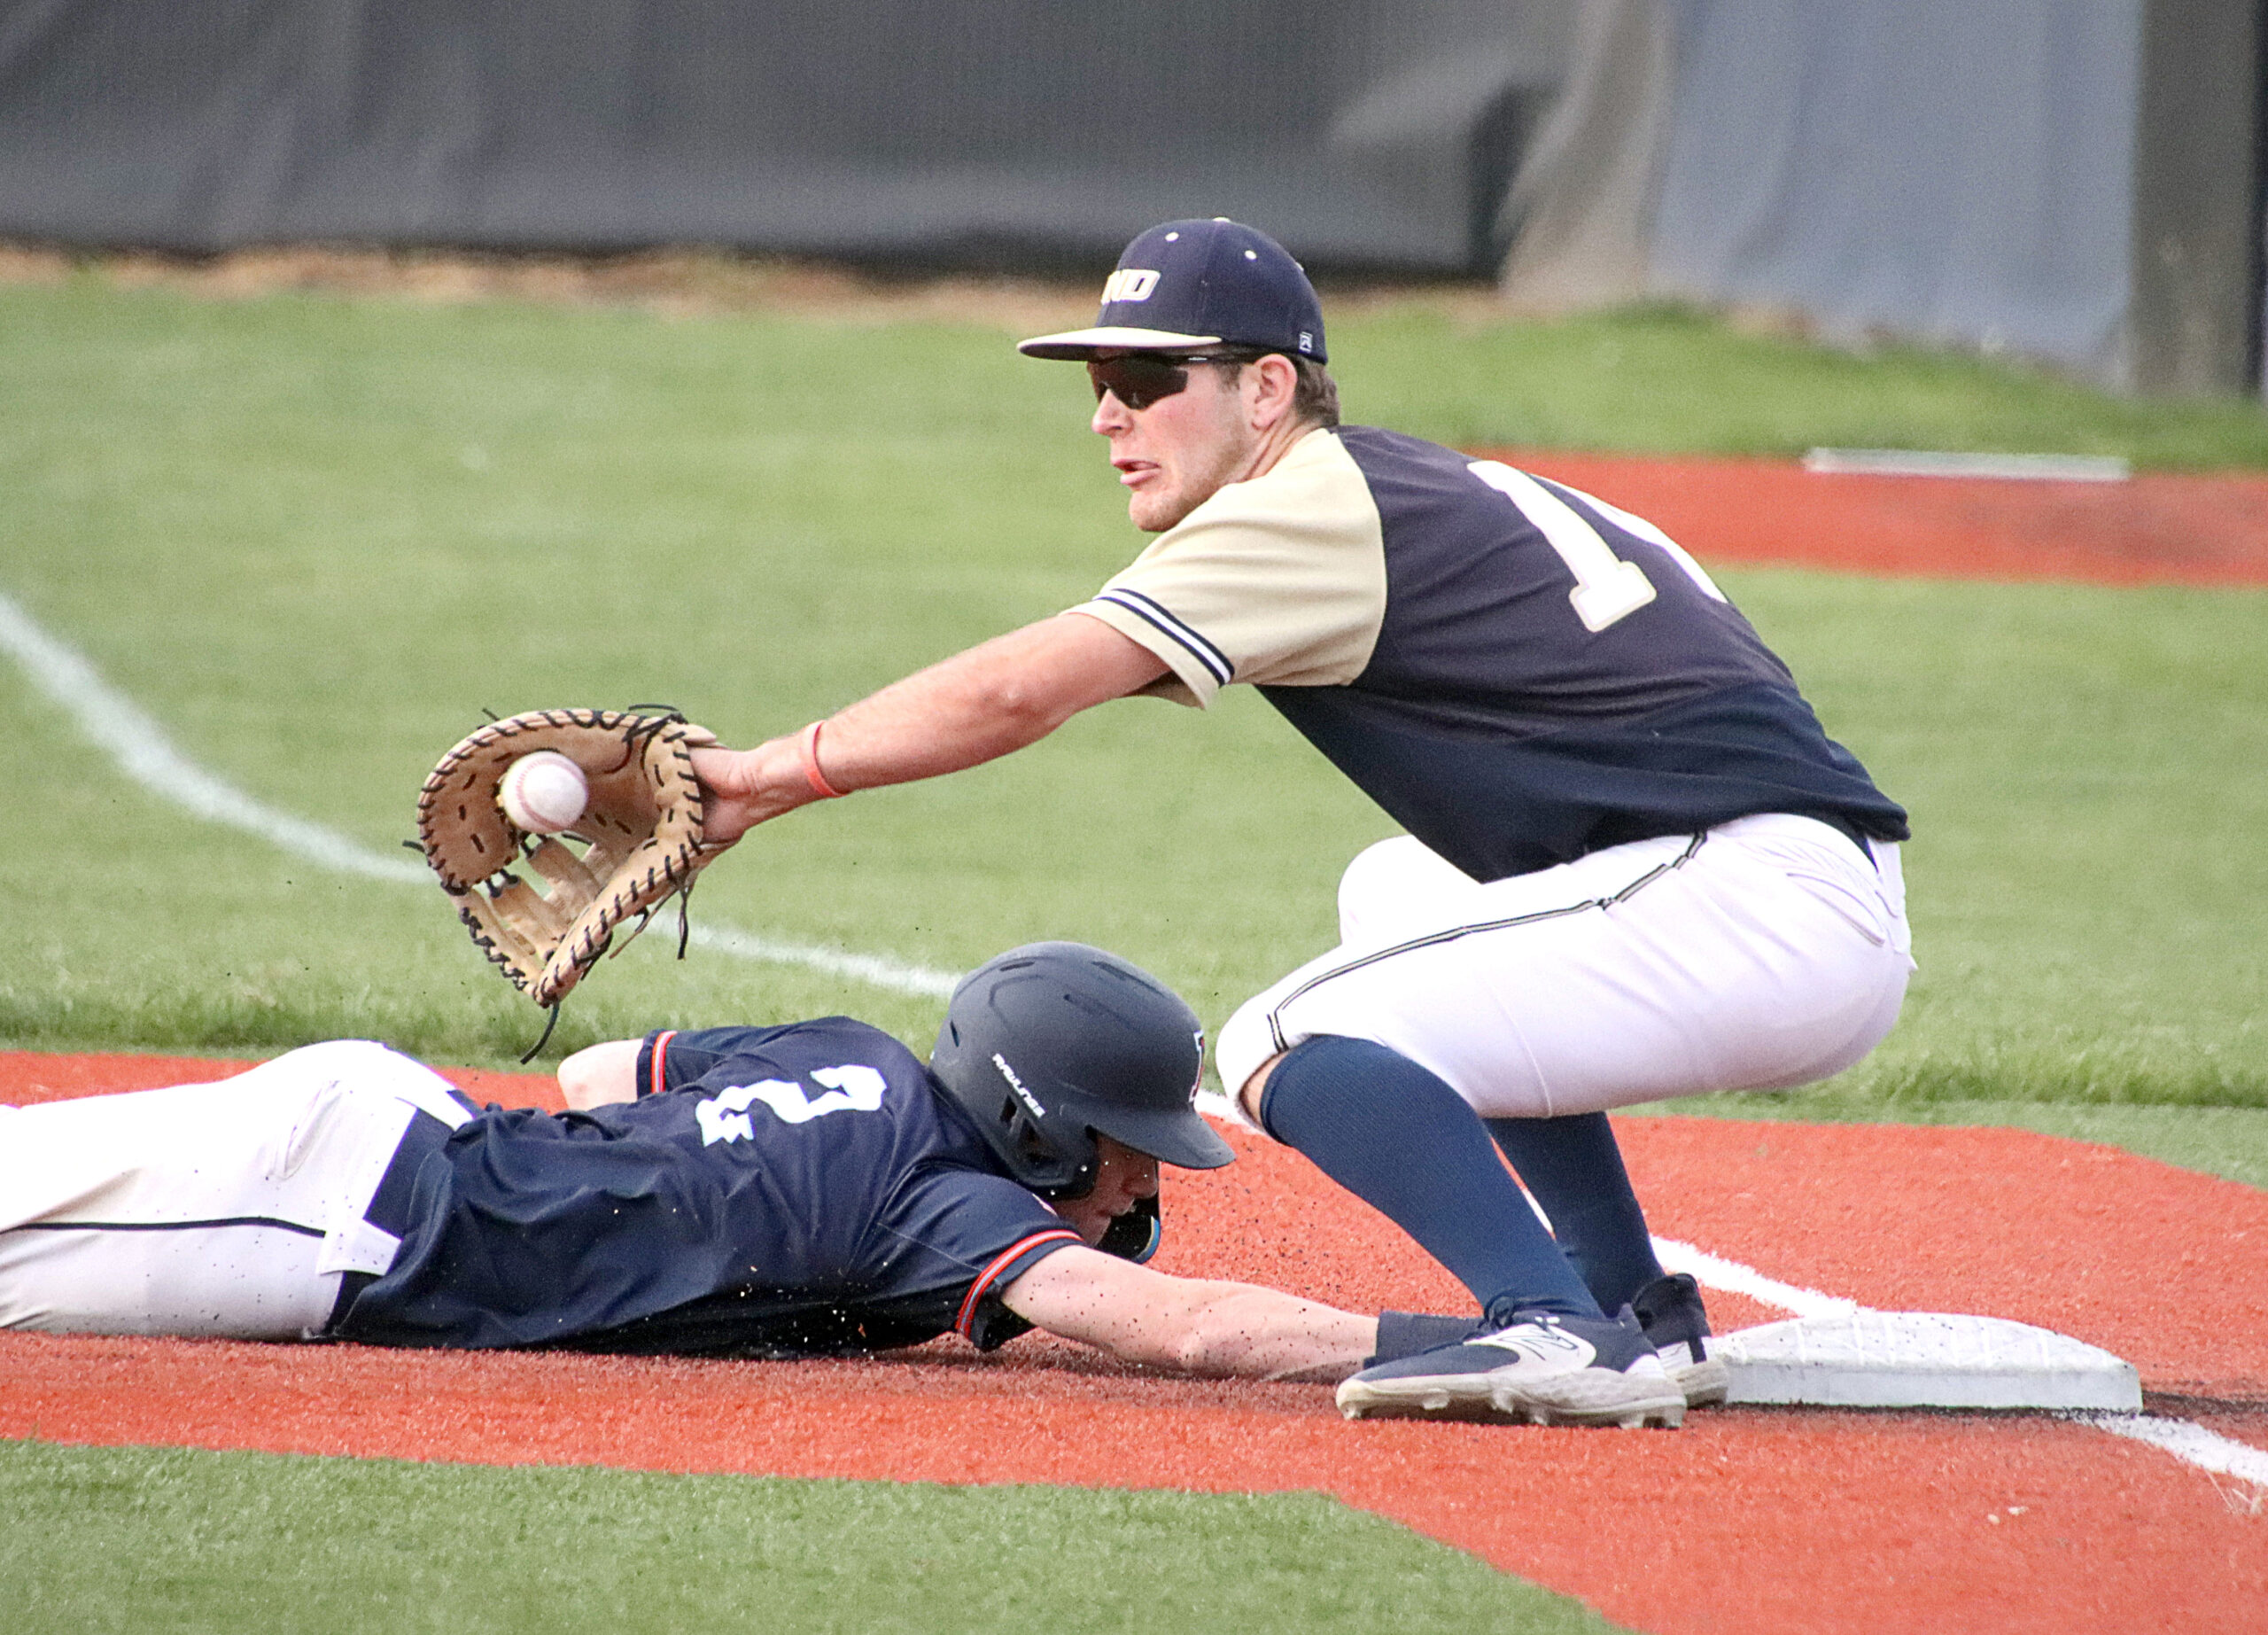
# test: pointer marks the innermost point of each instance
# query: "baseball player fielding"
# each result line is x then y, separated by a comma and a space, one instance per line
1636, 866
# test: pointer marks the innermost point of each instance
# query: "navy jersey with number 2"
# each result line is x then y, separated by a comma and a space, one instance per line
777, 1191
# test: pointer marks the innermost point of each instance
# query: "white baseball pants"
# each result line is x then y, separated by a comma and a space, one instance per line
228, 1209
1766, 953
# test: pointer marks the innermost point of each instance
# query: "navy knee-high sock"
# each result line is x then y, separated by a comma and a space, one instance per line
1397, 1137
1574, 1168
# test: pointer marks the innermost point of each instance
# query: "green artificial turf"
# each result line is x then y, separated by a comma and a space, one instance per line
1660, 380
2086, 771
2228, 1141
315, 538
133, 1538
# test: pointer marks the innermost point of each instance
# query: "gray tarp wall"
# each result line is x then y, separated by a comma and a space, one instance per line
2075, 180
1956, 170
1367, 131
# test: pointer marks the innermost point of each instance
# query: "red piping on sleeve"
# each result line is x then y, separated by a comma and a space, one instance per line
1000, 1263
656, 1083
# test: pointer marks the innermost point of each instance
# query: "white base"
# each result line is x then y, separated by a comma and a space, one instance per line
1923, 1360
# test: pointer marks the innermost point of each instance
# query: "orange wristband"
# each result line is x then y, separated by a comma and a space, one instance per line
807, 751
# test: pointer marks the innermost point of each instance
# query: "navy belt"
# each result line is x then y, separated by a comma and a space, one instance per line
389, 1210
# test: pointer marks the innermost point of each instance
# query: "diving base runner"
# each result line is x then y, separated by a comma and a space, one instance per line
808, 1190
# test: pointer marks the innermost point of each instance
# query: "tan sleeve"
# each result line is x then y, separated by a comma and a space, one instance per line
1279, 579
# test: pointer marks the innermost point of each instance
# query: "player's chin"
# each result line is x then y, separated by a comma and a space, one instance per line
1154, 510
1091, 1228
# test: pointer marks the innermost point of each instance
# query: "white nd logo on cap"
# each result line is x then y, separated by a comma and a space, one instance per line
1129, 283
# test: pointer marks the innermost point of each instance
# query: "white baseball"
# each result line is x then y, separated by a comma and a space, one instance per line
543, 793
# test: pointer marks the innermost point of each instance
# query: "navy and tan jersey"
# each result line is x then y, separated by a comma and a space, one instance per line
778, 1191
1517, 672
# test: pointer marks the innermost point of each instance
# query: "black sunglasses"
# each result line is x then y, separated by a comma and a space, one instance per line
1141, 379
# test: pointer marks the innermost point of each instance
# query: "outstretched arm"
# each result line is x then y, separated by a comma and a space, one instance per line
973, 707
1192, 1325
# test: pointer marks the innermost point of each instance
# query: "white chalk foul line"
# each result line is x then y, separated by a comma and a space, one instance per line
114, 724
1736, 1279
2191, 1444
872, 969
127, 734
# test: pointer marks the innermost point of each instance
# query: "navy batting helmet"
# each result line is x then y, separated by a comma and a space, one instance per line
1051, 1044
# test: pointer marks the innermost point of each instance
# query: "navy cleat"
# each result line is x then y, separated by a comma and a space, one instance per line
1543, 1369
1669, 1309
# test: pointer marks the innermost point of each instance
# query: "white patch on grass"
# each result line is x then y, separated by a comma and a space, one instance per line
141, 749
1999, 467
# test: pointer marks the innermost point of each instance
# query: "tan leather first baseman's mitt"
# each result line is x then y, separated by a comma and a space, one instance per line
639, 824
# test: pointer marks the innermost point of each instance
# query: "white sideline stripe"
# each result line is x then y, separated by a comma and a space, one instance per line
120, 728
1736, 1279
873, 969
2191, 1444
115, 724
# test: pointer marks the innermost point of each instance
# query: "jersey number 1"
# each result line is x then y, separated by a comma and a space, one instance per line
1606, 588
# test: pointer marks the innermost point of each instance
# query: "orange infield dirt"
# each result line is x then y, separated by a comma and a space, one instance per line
1748, 1520
2150, 529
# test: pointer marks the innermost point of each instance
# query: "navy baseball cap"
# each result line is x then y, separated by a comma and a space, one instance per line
1188, 285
